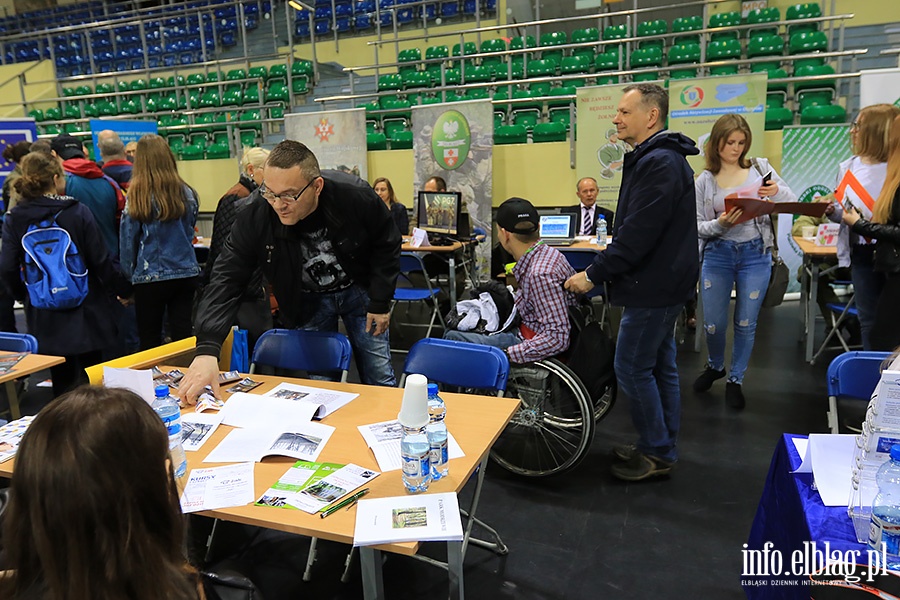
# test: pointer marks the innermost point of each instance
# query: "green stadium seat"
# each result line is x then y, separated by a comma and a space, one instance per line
541, 68
36, 114
210, 100
548, 132
410, 55
276, 112
215, 150
429, 100
54, 113
813, 97
436, 52
808, 10
278, 71
540, 88
684, 25
302, 67
250, 115
278, 92
760, 17
477, 94
823, 114
104, 88
468, 48
173, 81
176, 143
260, 71
494, 63
808, 43
204, 119
376, 141
249, 137
812, 71
401, 140
232, 97
553, 38
72, 111
390, 82
123, 86
584, 36
51, 129
606, 61
777, 118
775, 99
198, 138
523, 43
192, 152
647, 57
510, 134
129, 106
68, 91
105, 108
138, 84
774, 71
477, 74
84, 90
416, 80
575, 65
156, 83
724, 50
235, 75
683, 54
652, 28
251, 95
724, 20
765, 45
558, 110
299, 85
213, 77
195, 79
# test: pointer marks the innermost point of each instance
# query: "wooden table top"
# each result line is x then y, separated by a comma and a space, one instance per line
808, 246
31, 363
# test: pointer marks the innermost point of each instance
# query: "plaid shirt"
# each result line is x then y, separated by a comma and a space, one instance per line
542, 303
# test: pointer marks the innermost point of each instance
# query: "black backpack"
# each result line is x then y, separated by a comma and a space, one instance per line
591, 353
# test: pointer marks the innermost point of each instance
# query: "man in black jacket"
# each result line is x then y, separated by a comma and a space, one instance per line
652, 266
327, 244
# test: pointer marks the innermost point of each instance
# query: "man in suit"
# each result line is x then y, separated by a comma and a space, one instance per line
587, 212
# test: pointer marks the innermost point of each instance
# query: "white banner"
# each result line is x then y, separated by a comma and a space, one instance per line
877, 86
336, 137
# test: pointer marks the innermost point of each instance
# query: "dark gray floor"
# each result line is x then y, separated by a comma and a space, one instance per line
586, 535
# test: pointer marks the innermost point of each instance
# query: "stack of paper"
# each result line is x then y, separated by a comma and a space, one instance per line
421, 518
310, 486
11, 435
384, 440
218, 487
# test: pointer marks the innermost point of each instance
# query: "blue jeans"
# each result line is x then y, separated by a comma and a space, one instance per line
371, 352
747, 267
647, 374
500, 340
867, 285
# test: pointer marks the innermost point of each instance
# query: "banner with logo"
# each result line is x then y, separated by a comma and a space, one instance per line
455, 141
877, 86
695, 104
598, 151
129, 131
336, 137
811, 156
13, 131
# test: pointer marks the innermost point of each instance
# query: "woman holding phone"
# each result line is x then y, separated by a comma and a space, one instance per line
734, 253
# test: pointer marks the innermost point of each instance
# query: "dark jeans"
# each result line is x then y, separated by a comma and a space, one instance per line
867, 284
152, 301
70, 374
648, 376
7, 312
886, 333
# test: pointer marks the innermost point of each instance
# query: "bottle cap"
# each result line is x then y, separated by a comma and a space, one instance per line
162, 390
895, 452
414, 410
432, 389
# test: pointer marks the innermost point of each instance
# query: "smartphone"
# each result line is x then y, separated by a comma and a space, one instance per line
767, 179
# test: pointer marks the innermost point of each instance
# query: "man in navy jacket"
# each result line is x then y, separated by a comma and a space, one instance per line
651, 266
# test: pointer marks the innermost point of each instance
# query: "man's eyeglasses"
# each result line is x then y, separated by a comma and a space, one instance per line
271, 196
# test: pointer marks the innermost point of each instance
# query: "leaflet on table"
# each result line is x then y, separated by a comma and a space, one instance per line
301, 474
317, 494
304, 442
218, 487
384, 440
196, 428
8, 361
170, 378
138, 381
11, 435
420, 518
326, 401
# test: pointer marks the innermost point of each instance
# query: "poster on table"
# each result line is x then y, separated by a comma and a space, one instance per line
696, 104
811, 155
336, 137
598, 151
877, 86
13, 131
129, 131
455, 141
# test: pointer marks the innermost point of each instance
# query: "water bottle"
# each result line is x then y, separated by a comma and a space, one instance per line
885, 525
437, 433
415, 453
167, 408
601, 232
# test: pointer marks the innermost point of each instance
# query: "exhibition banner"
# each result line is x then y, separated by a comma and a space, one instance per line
877, 86
129, 131
598, 151
695, 104
811, 157
336, 137
13, 131
455, 141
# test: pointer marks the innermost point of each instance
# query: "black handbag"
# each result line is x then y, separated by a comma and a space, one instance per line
225, 582
778, 281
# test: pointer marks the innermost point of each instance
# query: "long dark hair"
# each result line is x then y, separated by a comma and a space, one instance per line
721, 131
93, 511
155, 178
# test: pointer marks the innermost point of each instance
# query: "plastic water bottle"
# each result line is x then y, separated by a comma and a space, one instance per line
885, 525
167, 408
415, 453
437, 433
601, 231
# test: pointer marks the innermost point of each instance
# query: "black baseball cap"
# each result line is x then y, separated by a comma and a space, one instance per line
518, 215
67, 146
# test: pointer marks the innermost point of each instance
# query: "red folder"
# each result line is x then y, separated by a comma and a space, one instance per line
754, 207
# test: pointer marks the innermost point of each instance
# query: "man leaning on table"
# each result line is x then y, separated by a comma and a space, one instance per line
652, 266
329, 247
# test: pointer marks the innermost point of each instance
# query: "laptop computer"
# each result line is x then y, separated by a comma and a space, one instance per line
557, 230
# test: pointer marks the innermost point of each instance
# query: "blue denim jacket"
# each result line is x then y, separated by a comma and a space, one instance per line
159, 250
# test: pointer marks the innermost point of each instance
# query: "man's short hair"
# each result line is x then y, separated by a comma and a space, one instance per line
652, 95
289, 154
578, 185
439, 183
110, 144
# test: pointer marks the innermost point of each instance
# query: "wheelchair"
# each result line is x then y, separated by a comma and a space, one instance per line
553, 429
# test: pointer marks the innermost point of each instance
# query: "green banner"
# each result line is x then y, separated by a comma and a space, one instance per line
695, 104
811, 156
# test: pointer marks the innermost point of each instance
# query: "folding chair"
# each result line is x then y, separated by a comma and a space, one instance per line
16, 342
410, 262
299, 350
852, 376
838, 314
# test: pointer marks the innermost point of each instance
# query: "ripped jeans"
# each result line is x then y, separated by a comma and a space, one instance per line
747, 267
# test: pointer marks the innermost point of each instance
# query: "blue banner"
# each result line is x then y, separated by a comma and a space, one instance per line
13, 131
129, 131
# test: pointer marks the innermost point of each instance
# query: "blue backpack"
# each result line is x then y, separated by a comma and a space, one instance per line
55, 274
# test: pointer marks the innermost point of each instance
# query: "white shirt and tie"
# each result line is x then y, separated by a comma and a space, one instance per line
587, 219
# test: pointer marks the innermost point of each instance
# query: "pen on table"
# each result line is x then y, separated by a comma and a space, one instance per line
348, 503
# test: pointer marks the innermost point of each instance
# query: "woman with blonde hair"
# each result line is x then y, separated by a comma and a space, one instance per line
884, 227
860, 181
254, 313
735, 255
385, 191
156, 243
93, 509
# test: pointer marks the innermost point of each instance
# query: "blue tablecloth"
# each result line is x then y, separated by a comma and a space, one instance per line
790, 513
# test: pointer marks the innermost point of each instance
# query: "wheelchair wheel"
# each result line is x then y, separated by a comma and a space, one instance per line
605, 400
554, 426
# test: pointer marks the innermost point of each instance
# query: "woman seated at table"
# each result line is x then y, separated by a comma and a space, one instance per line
93, 509
385, 191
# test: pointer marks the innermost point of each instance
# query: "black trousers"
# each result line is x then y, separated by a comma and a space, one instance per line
70, 374
886, 331
153, 301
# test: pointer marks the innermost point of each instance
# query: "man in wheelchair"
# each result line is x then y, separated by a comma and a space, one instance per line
540, 302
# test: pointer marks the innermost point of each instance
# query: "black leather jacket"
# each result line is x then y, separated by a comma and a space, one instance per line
887, 250
362, 232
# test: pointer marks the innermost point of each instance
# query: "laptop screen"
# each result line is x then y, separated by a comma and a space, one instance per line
557, 226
